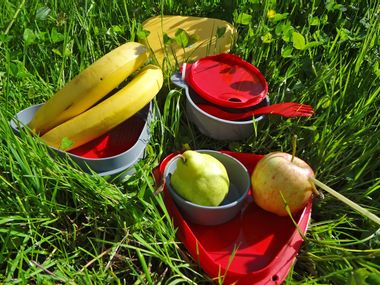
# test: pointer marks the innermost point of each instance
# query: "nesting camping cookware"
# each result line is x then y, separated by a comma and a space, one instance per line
233, 89
232, 204
213, 126
226, 80
112, 154
255, 247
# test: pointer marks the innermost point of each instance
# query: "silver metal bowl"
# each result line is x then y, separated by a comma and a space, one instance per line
105, 166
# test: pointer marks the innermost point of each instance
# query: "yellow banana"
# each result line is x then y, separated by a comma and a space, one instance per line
109, 113
89, 86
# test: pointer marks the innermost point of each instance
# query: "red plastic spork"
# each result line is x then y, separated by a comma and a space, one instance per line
287, 109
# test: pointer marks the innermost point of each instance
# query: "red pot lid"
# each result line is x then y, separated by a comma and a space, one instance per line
226, 80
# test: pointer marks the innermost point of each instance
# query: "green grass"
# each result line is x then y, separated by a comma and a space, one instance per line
59, 225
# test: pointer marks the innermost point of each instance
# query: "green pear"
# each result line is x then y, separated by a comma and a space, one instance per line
200, 178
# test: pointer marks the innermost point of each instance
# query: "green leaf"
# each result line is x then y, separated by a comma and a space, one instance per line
278, 17
287, 52
182, 38
320, 36
244, 19
18, 69
220, 31
117, 29
331, 5
5, 38
373, 279
343, 33
324, 19
96, 31
66, 143
267, 38
312, 44
67, 52
42, 13
42, 36
56, 51
358, 277
56, 36
13, 68
193, 39
376, 69
285, 31
298, 41
325, 103
142, 34
29, 36
314, 21
167, 40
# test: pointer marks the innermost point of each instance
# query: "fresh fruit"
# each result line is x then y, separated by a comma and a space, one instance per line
89, 86
200, 178
281, 179
108, 113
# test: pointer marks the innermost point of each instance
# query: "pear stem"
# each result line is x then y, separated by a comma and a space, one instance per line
345, 200
294, 147
182, 157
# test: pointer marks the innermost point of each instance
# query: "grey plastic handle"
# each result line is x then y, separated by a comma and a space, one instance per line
176, 78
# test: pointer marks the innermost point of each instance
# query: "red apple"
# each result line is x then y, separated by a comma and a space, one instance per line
278, 180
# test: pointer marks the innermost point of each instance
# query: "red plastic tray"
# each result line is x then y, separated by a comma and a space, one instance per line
226, 80
256, 247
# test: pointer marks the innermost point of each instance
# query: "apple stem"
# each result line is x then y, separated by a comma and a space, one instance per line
294, 145
345, 200
315, 190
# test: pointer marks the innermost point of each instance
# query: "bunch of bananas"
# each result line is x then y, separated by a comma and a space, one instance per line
81, 110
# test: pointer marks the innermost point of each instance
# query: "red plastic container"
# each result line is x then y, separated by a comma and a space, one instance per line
256, 247
226, 80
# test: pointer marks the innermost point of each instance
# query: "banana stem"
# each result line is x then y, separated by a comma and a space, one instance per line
347, 201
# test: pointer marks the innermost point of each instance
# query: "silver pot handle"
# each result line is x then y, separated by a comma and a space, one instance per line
176, 78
